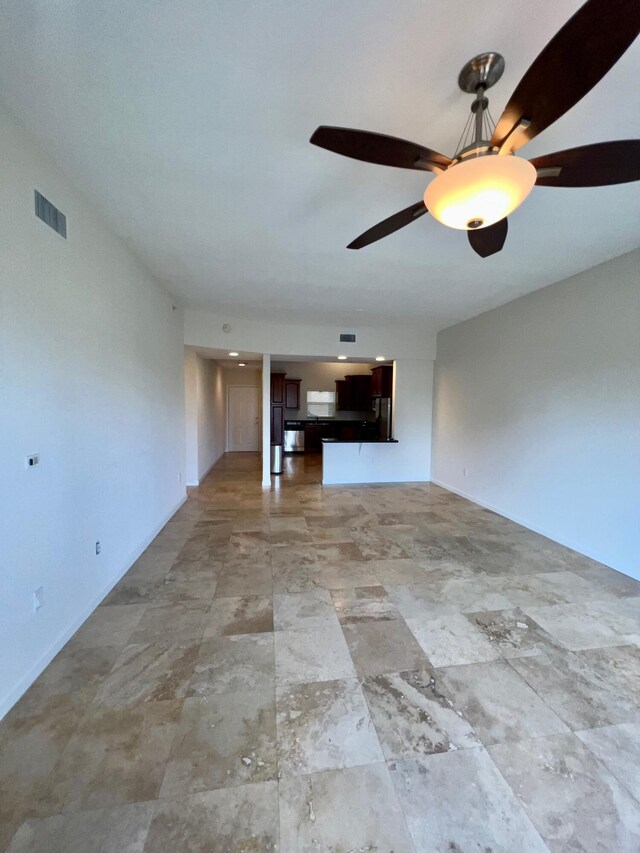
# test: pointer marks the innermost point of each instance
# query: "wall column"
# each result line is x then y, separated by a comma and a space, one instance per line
266, 420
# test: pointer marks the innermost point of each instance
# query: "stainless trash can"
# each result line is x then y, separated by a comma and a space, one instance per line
276, 459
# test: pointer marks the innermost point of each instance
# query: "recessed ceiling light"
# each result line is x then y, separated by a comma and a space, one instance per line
380, 358
241, 364
234, 354
342, 358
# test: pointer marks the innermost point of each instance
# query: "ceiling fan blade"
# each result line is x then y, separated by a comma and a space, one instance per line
378, 148
590, 165
487, 241
388, 226
575, 59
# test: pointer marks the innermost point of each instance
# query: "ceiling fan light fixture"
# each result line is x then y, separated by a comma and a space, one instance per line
478, 192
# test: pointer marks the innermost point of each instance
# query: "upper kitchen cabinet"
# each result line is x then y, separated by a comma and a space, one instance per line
382, 381
360, 392
343, 396
292, 393
277, 388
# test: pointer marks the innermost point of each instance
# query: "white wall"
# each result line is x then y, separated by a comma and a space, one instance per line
317, 376
407, 461
540, 401
204, 329
191, 368
206, 414
291, 340
91, 374
266, 420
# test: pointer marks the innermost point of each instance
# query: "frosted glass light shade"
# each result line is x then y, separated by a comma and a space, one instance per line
483, 189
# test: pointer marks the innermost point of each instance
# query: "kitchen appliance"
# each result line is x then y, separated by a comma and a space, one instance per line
293, 437
382, 408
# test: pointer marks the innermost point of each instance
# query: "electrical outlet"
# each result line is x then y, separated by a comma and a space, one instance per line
38, 598
98, 547
32, 461
464, 472
180, 477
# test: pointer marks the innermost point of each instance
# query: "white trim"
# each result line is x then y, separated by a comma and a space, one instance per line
27, 680
226, 441
522, 521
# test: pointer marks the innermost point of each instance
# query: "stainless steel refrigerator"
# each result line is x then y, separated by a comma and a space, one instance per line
382, 408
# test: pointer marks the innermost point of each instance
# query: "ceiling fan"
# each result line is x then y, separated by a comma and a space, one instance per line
484, 181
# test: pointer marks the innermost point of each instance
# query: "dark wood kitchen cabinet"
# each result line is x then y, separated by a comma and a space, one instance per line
277, 408
360, 392
347, 432
343, 395
312, 438
292, 393
382, 381
277, 424
314, 433
277, 388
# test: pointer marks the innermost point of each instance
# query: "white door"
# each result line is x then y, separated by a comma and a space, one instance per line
243, 417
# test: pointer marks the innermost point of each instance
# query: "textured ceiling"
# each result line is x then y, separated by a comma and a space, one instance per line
186, 123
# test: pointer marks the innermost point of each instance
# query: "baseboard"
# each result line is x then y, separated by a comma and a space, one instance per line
27, 680
525, 523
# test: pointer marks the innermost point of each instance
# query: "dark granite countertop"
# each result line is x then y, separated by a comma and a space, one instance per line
359, 441
323, 421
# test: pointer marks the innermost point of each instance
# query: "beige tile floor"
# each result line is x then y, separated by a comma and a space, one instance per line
341, 669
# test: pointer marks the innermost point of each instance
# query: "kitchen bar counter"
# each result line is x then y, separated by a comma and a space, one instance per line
294, 422
366, 461
359, 440
316, 431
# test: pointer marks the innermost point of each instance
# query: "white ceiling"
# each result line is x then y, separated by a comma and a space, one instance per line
187, 122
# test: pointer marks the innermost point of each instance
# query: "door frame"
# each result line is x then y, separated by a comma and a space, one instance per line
259, 390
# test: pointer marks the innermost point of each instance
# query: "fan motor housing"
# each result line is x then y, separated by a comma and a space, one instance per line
484, 70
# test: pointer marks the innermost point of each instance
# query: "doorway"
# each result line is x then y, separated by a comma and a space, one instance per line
243, 418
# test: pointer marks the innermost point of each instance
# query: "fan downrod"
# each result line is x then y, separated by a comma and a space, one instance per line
484, 70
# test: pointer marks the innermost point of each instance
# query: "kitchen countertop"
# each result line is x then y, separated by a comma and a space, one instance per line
322, 421
359, 441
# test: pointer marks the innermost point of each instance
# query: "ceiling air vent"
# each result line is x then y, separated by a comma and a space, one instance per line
347, 338
50, 215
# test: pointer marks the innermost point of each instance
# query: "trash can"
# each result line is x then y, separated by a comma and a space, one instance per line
276, 459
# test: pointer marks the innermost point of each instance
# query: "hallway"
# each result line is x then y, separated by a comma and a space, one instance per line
382, 668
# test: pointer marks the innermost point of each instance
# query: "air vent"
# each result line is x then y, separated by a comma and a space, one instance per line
347, 338
50, 215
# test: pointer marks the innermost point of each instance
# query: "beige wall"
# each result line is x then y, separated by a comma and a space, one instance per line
242, 376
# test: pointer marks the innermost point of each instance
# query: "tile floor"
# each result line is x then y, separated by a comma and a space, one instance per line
341, 669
